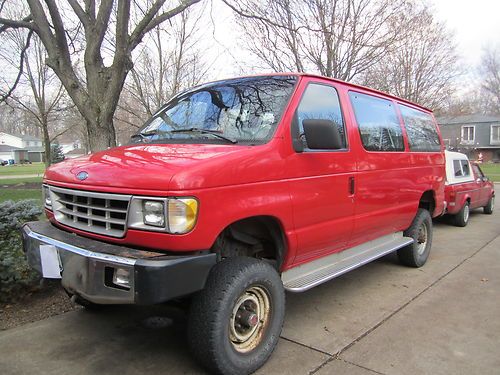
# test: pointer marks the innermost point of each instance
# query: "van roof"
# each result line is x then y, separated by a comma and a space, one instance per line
365, 88
358, 86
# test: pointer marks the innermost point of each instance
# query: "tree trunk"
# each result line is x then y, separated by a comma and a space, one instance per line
101, 132
46, 142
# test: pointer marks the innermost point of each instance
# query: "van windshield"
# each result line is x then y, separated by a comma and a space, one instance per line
243, 110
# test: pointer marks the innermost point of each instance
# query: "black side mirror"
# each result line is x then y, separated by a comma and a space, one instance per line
296, 140
322, 135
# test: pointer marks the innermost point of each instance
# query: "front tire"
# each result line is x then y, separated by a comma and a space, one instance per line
416, 254
488, 209
236, 320
462, 217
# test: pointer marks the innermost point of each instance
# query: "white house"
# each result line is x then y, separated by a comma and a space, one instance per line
23, 147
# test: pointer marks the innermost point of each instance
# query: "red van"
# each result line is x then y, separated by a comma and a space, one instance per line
236, 191
466, 188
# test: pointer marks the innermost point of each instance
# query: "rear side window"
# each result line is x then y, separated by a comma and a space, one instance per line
421, 130
461, 168
377, 121
321, 102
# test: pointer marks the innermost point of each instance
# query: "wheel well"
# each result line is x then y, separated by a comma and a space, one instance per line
259, 237
427, 201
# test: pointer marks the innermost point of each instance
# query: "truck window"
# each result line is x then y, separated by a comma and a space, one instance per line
477, 171
321, 102
421, 130
461, 168
457, 168
465, 167
378, 124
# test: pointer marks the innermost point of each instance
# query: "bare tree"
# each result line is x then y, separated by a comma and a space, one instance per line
109, 32
420, 67
171, 62
41, 95
489, 70
335, 38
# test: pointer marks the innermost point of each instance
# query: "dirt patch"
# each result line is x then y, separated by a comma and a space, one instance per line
51, 300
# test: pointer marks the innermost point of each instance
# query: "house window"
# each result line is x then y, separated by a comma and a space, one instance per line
468, 134
495, 135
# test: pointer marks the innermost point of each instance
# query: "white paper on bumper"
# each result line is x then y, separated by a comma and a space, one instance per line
50, 262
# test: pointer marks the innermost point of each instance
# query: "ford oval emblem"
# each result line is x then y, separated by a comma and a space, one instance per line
82, 175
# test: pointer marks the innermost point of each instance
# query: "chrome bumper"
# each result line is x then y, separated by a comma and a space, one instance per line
87, 268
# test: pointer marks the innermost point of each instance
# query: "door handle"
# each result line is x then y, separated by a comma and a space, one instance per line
351, 186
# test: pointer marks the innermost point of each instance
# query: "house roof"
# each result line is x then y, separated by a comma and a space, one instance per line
467, 119
24, 137
7, 148
29, 138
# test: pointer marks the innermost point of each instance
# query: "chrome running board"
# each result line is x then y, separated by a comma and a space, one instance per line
309, 275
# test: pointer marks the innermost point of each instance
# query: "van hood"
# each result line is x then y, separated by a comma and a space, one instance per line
165, 167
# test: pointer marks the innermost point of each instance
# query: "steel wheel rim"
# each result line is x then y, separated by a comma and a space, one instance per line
466, 213
422, 239
492, 203
249, 319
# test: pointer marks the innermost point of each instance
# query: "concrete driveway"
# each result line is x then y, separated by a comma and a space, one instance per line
380, 319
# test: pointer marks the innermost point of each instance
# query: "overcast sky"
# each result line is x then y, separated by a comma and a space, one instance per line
476, 24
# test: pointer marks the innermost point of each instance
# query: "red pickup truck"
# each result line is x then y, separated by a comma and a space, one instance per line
466, 188
236, 191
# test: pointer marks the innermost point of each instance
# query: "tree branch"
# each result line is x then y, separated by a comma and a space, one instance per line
148, 22
21, 68
13, 24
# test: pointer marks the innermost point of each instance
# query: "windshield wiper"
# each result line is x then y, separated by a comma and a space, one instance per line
215, 133
144, 136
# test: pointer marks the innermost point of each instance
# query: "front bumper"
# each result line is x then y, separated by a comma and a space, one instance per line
87, 267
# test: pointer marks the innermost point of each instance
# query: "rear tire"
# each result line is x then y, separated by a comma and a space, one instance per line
462, 217
488, 209
235, 321
416, 254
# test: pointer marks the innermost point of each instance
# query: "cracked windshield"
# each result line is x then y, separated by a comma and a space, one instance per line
245, 110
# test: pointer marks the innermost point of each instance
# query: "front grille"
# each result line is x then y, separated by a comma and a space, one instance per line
100, 213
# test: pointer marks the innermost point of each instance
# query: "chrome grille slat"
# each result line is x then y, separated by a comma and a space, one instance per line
90, 217
101, 213
63, 201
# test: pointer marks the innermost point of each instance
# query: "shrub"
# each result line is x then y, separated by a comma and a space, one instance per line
15, 273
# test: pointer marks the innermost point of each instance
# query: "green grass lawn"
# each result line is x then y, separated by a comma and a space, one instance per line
19, 194
20, 169
15, 181
492, 171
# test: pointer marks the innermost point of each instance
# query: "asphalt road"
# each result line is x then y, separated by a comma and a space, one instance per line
382, 318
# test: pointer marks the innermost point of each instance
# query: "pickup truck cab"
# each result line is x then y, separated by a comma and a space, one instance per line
236, 191
467, 188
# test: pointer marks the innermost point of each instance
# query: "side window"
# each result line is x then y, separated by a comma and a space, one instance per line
457, 168
421, 130
477, 171
461, 168
465, 167
377, 121
321, 102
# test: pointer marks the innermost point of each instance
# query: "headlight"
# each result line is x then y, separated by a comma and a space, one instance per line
173, 215
154, 213
47, 202
182, 213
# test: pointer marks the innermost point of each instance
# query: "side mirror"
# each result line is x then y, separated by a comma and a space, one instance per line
485, 179
322, 135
